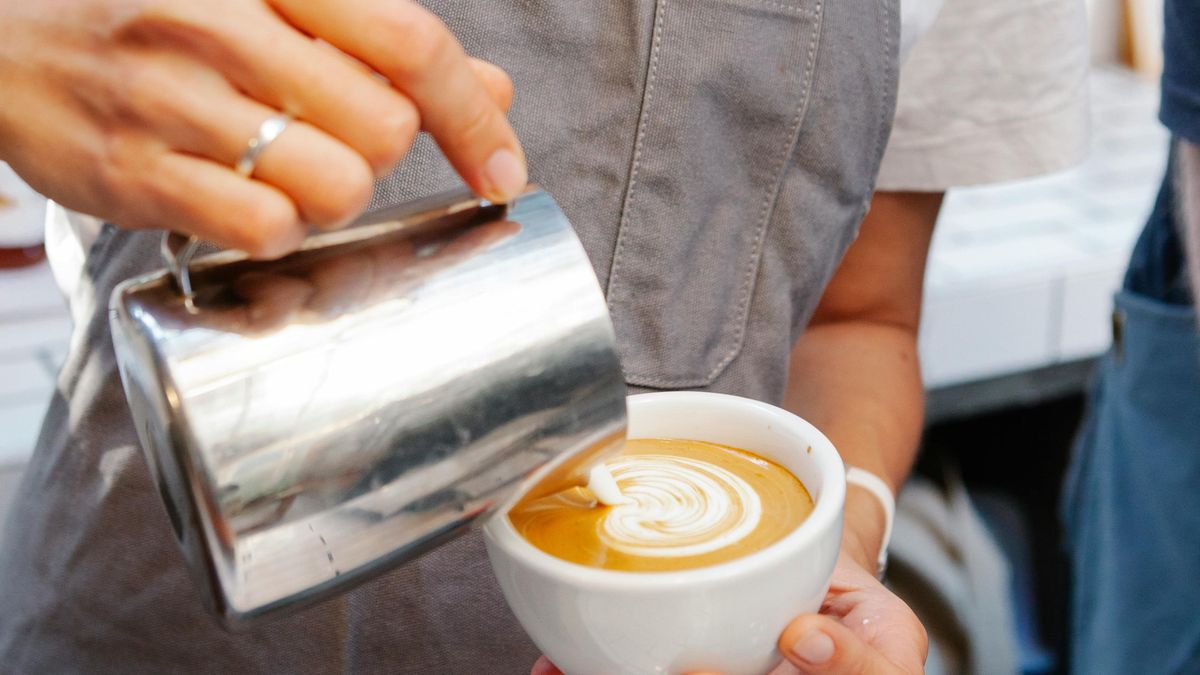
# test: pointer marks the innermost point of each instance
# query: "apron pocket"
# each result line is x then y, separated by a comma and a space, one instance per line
1159, 343
725, 95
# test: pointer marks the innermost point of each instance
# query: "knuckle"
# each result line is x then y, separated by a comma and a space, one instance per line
392, 140
346, 189
153, 20
119, 165
148, 13
478, 121
423, 40
271, 228
182, 28
495, 78
149, 94
505, 92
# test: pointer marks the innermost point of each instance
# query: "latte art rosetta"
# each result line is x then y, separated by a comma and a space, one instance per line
667, 504
679, 507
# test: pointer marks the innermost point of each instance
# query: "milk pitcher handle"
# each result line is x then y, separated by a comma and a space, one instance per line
177, 251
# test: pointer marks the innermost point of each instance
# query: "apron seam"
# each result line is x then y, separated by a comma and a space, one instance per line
799, 9
769, 199
639, 140
746, 291
887, 51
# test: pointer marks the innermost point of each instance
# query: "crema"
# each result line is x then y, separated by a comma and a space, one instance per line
683, 504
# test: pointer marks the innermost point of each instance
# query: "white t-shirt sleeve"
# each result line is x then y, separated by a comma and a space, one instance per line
994, 91
69, 237
916, 17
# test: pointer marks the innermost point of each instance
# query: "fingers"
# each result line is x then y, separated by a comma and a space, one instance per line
421, 58
862, 628
163, 189
327, 180
818, 644
289, 71
351, 125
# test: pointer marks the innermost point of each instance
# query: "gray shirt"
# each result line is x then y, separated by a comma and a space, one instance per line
716, 157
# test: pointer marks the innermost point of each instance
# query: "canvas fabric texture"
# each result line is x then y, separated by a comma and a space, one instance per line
715, 157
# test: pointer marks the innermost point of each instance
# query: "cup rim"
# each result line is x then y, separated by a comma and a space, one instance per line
826, 514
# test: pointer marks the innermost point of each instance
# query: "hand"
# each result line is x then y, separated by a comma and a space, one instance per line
863, 628
137, 110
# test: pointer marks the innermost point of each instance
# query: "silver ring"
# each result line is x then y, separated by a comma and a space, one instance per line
268, 131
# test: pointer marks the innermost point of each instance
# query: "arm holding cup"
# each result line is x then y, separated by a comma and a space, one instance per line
854, 374
854, 371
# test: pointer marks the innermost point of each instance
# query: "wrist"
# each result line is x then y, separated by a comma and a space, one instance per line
864, 528
859, 554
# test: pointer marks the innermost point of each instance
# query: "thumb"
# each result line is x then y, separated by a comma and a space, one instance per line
818, 644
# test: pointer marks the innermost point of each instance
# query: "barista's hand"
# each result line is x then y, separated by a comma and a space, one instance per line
863, 629
137, 110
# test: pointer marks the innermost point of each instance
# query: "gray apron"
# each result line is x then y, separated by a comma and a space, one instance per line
716, 157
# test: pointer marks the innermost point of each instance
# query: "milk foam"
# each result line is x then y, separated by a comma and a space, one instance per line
602, 484
678, 507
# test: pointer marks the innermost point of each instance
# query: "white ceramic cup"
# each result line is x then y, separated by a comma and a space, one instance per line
726, 617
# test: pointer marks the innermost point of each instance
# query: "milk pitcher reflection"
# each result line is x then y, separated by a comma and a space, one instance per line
314, 420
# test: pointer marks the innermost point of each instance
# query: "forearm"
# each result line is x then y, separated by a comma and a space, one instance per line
854, 372
859, 382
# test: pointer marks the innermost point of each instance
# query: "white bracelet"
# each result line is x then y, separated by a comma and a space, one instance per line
875, 485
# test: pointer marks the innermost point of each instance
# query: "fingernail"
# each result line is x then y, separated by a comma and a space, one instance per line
505, 175
814, 647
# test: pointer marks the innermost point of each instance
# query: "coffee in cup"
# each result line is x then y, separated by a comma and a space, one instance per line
724, 617
685, 504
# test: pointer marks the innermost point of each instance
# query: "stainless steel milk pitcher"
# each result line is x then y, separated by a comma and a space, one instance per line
314, 420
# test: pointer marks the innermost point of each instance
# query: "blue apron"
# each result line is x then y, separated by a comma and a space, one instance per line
1131, 505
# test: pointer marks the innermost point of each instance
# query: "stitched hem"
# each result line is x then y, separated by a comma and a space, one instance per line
746, 293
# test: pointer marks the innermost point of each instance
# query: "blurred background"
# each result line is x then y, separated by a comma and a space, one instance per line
1017, 308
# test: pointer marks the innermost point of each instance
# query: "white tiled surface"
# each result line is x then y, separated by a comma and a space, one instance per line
1086, 308
22, 378
22, 422
34, 330
987, 331
1021, 275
